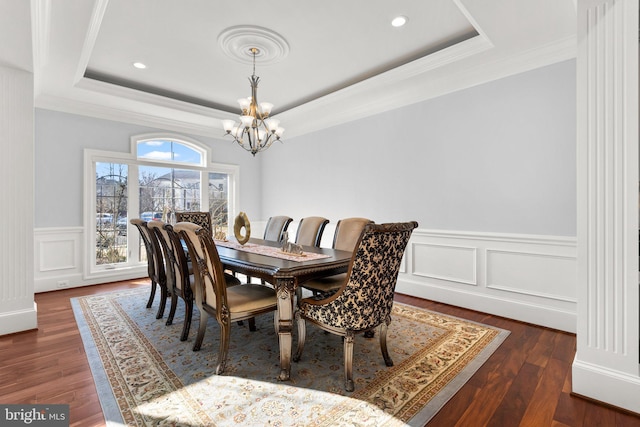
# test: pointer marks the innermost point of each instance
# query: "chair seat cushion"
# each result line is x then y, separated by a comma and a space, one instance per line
326, 284
250, 297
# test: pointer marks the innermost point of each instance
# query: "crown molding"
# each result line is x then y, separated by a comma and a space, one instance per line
406, 85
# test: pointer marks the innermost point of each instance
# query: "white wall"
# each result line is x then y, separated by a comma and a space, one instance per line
60, 140
488, 172
499, 157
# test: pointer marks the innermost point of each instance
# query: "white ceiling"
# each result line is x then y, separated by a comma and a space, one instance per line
342, 60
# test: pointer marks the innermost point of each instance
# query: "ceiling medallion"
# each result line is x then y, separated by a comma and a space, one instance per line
237, 42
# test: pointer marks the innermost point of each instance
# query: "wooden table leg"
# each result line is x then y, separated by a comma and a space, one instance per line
285, 291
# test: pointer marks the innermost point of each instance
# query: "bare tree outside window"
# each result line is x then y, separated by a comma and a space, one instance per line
111, 206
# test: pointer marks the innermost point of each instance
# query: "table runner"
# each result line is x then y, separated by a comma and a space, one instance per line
271, 251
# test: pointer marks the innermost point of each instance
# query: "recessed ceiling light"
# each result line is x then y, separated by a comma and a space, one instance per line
139, 65
399, 21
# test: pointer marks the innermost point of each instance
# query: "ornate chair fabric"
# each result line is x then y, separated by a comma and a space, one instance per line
345, 237
155, 264
310, 230
213, 297
366, 298
275, 228
203, 219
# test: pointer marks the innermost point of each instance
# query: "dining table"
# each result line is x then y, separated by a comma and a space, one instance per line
264, 259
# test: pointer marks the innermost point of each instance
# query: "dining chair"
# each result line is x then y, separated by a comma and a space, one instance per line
155, 264
274, 231
310, 230
365, 300
179, 273
345, 237
203, 219
275, 228
214, 298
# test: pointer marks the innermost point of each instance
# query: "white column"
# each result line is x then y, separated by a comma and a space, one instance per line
17, 306
606, 366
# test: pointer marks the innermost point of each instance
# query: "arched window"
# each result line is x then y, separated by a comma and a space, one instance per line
162, 174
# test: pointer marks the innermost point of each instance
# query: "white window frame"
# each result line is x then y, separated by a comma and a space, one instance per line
134, 267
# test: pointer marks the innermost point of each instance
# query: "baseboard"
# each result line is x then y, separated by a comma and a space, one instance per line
537, 314
605, 385
19, 320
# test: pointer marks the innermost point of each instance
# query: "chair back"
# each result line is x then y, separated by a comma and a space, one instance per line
347, 232
203, 219
275, 228
210, 286
155, 261
179, 259
310, 230
366, 299
155, 228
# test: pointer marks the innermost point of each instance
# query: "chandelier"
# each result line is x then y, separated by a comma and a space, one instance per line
256, 130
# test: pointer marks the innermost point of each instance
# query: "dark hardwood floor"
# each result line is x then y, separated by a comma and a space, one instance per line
526, 382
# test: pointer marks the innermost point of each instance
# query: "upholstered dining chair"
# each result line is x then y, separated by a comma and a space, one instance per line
275, 228
345, 237
274, 231
203, 219
365, 300
213, 297
310, 230
179, 273
155, 264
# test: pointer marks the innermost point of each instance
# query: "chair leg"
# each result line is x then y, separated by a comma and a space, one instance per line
276, 323
348, 361
163, 301
153, 294
188, 314
174, 305
383, 345
252, 324
202, 327
225, 335
302, 330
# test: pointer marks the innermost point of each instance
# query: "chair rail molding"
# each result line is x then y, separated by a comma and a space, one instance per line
606, 366
525, 277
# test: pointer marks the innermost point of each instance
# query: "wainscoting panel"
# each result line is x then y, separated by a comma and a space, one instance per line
59, 262
445, 262
58, 258
531, 274
523, 277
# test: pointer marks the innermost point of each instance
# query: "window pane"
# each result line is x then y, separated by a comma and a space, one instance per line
163, 190
219, 201
169, 151
111, 213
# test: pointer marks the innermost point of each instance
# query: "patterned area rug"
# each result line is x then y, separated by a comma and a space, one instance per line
146, 376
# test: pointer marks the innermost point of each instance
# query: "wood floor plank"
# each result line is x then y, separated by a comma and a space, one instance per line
542, 405
514, 404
